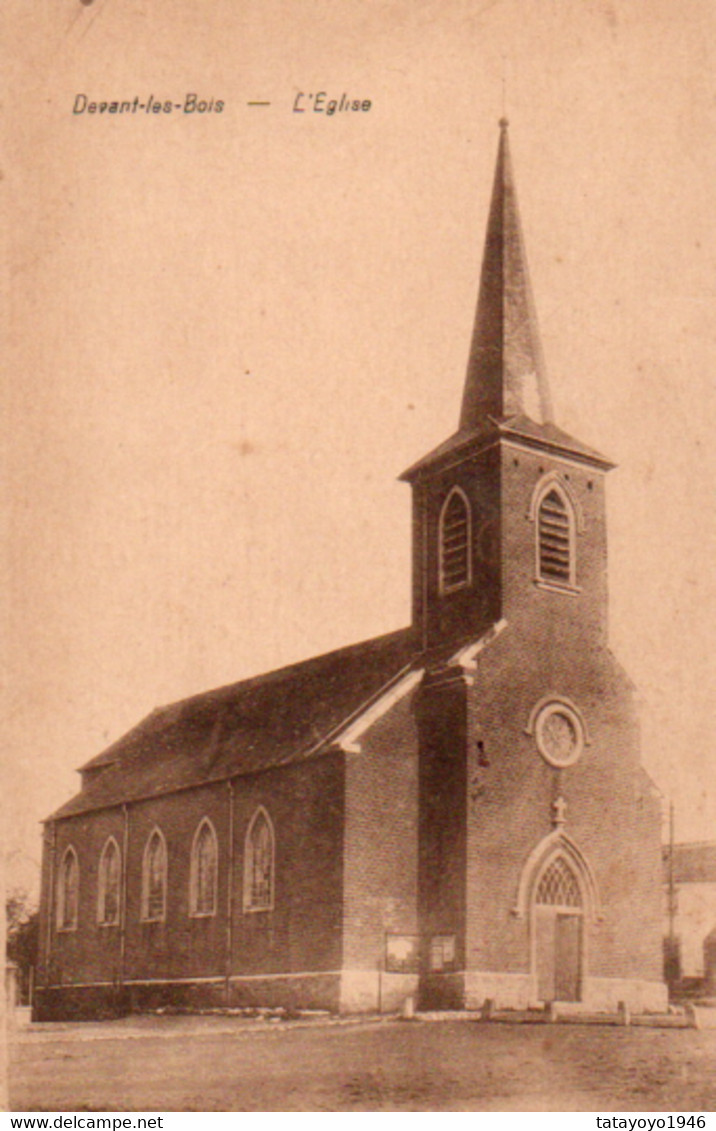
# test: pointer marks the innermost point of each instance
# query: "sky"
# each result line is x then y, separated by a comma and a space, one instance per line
230, 332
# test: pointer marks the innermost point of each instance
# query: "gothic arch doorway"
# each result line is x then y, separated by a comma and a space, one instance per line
558, 932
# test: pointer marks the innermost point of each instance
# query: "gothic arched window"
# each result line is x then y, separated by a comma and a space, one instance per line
259, 863
154, 878
203, 870
108, 884
558, 886
555, 539
454, 542
68, 891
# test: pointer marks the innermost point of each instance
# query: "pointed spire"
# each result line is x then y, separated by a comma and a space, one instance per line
505, 372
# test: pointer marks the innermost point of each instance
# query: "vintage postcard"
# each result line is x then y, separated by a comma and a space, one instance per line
359, 465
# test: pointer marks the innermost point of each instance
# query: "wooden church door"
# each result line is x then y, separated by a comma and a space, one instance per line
558, 933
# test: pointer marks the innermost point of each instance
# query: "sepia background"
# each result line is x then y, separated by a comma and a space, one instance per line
229, 333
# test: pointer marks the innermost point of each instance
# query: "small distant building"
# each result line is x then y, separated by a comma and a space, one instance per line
690, 893
456, 811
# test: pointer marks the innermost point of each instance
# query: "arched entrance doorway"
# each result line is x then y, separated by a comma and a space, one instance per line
557, 916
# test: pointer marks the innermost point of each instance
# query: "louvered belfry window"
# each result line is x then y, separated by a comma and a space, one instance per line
558, 886
455, 543
555, 539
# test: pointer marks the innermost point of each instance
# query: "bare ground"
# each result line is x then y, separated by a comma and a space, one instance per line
182, 1064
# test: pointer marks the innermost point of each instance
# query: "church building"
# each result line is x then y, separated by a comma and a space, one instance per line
455, 811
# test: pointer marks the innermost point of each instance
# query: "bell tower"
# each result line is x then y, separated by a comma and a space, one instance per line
508, 512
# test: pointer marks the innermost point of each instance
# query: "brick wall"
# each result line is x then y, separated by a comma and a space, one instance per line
554, 644
610, 811
181, 946
302, 932
427, 827
540, 613
467, 611
441, 710
380, 846
91, 952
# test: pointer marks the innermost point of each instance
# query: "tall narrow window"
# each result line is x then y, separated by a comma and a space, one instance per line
454, 542
555, 539
108, 885
154, 878
259, 863
68, 891
202, 871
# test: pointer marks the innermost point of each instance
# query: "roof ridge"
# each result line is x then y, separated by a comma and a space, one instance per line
159, 714
247, 727
286, 670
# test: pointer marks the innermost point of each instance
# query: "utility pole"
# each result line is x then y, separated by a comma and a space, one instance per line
672, 889
672, 969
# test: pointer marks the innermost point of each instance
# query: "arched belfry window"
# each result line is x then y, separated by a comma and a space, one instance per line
108, 884
454, 542
154, 878
556, 563
203, 870
259, 863
68, 891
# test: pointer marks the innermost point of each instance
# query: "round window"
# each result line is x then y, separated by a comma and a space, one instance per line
559, 734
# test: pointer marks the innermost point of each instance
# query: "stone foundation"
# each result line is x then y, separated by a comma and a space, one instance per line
471, 988
442, 991
347, 991
507, 991
640, 995
375, 991
80, 1003
104, 1001
320, 990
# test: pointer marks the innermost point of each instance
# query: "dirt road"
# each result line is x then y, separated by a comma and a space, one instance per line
180, 1065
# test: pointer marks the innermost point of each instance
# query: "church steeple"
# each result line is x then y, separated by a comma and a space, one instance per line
508, 512
505, 372
506, 391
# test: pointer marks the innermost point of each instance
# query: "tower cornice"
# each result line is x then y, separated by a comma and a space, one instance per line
517, 431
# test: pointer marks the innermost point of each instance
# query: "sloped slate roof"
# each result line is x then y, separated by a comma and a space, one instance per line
694, 863
243, 727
